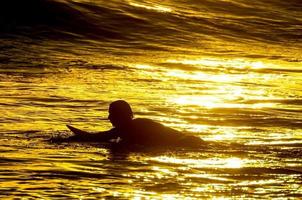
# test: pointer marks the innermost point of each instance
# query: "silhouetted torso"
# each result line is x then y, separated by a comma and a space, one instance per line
150, 133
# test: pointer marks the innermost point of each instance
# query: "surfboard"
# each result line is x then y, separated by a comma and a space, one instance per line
77, 131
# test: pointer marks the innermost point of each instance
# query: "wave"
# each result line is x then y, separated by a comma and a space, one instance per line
45, 18
150, 21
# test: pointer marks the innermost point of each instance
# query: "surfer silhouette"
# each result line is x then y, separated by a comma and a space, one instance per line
130, 131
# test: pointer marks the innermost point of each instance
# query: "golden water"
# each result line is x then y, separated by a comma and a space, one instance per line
251, 107
228, 71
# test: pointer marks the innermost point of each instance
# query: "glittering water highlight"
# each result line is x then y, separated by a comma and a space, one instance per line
226, 71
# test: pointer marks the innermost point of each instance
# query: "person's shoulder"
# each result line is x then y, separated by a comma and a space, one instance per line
142, 120
145, 121
149, 125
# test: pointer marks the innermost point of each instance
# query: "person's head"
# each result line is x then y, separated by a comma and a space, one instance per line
120, 113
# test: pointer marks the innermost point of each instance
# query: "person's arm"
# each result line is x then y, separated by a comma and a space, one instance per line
77, 131
104, 136
84, 136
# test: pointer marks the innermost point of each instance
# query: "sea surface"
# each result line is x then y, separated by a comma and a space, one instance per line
228, 71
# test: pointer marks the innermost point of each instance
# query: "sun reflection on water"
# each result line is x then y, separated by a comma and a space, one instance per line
142, 66
223, 137
216, 62
202, 76
158, 8
210, 102
232, 162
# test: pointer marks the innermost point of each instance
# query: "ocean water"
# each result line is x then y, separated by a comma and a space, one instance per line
228, 71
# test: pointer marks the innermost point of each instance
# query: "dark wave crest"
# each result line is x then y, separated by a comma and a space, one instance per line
46, 18
274, 21
196, 27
